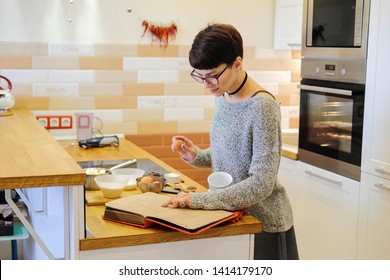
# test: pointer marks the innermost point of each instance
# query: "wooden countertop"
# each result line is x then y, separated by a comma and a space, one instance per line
30, 157
110, 235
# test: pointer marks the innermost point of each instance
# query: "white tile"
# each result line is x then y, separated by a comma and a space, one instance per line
180, 63
143, 63
71, 49
70, 89
289, 111
285, 123
157, 101
271, 76
169, 76
271, 87
196, 101
183, 114
71, 76
271, 54
26, 76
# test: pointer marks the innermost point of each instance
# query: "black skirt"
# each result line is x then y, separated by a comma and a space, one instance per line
276, 246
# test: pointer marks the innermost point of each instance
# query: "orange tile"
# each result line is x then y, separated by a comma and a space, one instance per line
157, 127
194, 126
196, 138
115, 50
115, 102
55, 62
135, 89
294, 123
160, 151
157, 51
148, 114
101, 62
15, 62
32, 103
72, 103
146, 140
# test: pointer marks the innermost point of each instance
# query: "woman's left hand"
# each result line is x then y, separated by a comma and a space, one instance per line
182, 199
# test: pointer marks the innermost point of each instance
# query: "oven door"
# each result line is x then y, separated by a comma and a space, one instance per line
331, 126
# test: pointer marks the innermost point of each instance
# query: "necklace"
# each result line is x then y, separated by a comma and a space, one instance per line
240, 87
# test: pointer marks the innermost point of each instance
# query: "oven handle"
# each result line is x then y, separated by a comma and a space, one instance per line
327, 90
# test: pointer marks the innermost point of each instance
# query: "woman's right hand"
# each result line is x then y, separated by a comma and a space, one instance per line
184, 147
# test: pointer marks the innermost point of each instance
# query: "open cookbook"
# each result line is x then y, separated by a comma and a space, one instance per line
144, 210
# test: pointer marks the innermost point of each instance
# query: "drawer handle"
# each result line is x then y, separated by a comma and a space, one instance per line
335, 182
383, 171
382, 186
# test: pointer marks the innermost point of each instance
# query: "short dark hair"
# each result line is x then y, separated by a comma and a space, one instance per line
215, 45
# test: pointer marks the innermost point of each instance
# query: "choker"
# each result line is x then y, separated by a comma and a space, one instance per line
240, 87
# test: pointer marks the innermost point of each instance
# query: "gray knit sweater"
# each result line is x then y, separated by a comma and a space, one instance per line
246, 142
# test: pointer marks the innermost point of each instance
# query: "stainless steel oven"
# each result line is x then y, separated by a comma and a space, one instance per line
331, 124
335, 29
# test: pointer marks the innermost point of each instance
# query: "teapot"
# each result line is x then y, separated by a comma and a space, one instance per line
7, 100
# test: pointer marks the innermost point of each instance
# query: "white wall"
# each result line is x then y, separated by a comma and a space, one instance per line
107, 21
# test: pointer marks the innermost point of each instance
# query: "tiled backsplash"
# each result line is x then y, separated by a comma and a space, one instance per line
134, 89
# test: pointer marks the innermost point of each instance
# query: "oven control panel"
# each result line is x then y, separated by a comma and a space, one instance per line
349, 71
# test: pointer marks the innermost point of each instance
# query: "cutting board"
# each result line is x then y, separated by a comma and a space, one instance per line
94, 198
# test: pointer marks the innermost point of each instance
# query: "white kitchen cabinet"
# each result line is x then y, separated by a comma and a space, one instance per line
330, 214
288, 24
376, 134
290, 178
374, 222
325, 207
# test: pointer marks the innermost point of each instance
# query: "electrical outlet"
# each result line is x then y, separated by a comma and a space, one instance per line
66, 121
55, 122
43, 121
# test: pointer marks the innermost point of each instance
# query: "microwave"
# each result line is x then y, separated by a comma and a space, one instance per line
336, 29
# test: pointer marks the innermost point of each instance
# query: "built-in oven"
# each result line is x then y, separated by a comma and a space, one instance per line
331, 122
335, 29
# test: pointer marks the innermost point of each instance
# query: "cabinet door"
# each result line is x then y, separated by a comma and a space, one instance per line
374, 222
330, 215
376, 132
289, 177
288, 24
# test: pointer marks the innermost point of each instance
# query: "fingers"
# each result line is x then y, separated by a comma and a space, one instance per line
180, 200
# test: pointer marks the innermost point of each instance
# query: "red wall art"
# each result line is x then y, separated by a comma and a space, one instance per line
161, 34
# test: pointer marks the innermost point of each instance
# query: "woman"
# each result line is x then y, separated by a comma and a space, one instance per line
245, 139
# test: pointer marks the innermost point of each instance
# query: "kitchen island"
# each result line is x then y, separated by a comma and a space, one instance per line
104, 239
63, 226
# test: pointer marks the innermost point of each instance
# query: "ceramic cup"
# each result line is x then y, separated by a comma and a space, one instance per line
218, 180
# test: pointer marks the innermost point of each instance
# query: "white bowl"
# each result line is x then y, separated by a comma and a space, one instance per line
131, 174
111, 185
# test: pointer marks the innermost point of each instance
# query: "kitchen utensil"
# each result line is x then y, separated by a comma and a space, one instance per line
100, 142
111, 185
98, 171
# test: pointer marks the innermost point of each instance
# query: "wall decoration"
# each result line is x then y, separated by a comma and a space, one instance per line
160, 33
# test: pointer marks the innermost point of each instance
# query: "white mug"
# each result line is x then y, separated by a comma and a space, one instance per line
219, 180
7, 101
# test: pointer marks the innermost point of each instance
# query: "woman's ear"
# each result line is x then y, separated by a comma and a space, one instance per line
238, 63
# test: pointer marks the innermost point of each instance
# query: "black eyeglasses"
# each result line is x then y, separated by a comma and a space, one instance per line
212, 80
